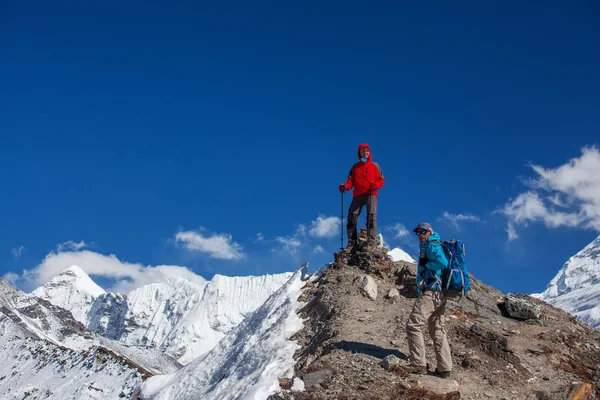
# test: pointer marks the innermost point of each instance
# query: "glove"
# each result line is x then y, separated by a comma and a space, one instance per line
342, 188
423, 261
372, 187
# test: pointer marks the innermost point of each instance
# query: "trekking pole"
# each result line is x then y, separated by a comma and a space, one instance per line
342, 224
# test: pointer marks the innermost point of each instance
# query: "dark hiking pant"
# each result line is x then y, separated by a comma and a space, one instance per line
354, 211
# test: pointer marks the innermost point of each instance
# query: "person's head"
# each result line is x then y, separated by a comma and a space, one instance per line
364, 151
423, 231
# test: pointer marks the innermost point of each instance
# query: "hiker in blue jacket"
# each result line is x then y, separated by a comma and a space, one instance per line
429, 307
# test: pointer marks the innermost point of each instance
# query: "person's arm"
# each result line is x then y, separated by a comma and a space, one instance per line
436, 256
350, 181
378, 184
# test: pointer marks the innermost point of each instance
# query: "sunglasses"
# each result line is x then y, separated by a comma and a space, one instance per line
423, 232
365, 151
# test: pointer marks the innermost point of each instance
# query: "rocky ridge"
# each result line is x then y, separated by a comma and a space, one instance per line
503, 346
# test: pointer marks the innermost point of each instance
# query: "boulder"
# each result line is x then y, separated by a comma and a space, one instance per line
521, 308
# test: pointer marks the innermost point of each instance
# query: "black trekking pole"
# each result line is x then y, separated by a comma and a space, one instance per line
342, 224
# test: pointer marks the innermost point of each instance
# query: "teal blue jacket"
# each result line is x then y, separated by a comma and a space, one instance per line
432, 261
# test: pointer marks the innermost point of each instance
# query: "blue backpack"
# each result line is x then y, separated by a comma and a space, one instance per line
455, 277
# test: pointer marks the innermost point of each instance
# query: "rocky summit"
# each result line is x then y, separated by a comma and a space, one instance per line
504, 346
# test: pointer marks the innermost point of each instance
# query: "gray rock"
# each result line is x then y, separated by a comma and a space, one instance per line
368, 287
316, 378
393, 295
437, 385
519, 307
390, 361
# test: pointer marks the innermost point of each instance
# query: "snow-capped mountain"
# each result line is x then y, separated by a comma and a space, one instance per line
72, 290
576, 287
180, 318
398, 254
40, 319
46, 353
37, 369
249, 361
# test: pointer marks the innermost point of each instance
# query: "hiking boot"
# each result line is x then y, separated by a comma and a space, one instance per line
349, 248
413, 369
443, 375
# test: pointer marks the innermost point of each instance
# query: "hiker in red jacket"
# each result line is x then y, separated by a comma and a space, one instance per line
366, 178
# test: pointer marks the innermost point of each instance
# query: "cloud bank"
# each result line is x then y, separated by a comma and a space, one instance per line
127, 276
566, 196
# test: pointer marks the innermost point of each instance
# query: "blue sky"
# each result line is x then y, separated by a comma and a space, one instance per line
215, 136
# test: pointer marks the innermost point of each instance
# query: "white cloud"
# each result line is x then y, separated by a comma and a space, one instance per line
531, 206
325, 227
289, 243
293, 242
454, 219
301, 230
12, 278
16, 252
218, 246
260, 237
318, 250
568, 195
398, 229
127, 276
71, 245
512, 233
300, 240
557, 200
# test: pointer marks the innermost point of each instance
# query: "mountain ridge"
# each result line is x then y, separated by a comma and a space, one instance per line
181, 318
576, 286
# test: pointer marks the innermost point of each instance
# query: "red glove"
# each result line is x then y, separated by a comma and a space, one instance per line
342, 188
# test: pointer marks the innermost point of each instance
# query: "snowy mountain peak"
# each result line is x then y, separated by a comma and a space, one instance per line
73, 290
6, 289
176, 281
74, 270
576, 286
74, 279
580, 271
398, 254
247, 363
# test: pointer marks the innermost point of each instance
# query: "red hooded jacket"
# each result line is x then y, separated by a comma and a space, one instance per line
365, 177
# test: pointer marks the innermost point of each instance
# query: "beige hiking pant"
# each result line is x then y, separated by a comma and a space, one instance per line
428, 308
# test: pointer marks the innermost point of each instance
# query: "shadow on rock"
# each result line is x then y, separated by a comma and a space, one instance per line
368, 349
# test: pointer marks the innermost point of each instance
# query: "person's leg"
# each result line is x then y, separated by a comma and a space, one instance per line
437, 331
421, 311
372, 219
353, 213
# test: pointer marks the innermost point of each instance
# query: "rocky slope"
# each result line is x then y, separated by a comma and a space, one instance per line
503, 346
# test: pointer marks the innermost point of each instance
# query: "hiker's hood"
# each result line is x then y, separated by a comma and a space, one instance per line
365, 146
434, 236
